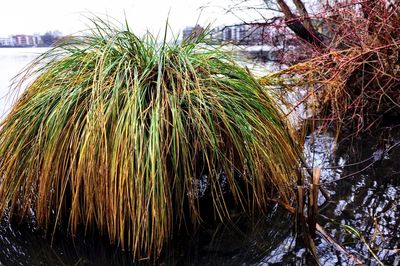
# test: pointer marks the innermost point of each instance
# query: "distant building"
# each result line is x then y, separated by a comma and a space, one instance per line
243, 34
37, 40
6, 42
227, 34
23, 40
216, 35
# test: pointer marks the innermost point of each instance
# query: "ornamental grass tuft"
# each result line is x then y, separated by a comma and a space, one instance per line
114, 133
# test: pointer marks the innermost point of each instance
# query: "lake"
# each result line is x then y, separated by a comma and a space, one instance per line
12, 61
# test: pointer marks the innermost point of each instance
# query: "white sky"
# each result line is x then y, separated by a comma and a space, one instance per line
39, 16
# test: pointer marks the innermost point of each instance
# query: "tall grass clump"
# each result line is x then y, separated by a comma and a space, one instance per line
115, 131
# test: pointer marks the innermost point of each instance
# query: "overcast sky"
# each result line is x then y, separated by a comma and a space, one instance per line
39, 16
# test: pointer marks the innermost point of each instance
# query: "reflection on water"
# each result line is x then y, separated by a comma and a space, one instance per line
367, 202
370, 200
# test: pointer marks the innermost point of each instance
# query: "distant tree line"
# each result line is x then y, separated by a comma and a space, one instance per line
50, 38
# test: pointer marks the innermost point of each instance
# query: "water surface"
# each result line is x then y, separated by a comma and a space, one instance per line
12, 61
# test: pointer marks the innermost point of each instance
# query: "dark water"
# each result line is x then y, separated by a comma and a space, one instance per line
364, 212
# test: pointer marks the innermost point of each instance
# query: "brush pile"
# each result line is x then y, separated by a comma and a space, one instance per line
354, 80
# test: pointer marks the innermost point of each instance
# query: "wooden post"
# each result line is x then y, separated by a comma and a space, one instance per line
313, 202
